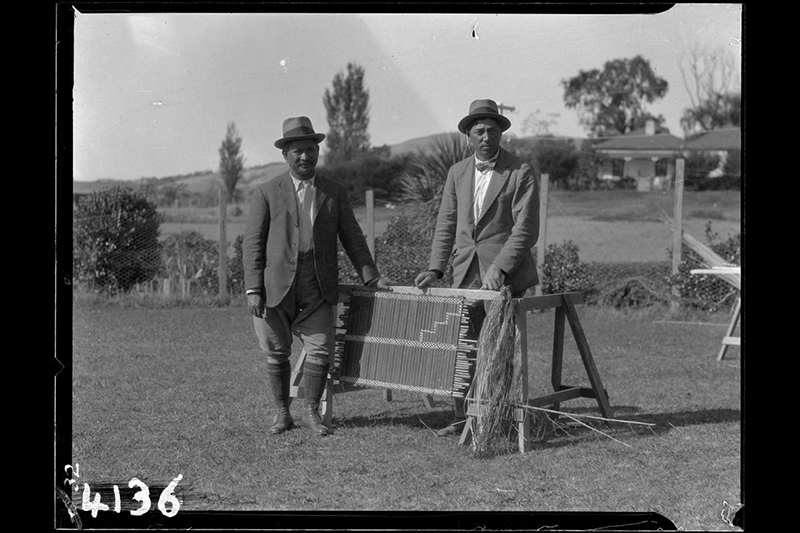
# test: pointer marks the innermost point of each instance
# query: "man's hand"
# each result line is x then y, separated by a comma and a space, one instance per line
494, 278
424, 279
384, 284
256, 303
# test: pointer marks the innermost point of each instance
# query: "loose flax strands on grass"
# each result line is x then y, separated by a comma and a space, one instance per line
497, 383
497, 388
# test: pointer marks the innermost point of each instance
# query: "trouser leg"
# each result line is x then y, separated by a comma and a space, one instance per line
314, 325
476, 314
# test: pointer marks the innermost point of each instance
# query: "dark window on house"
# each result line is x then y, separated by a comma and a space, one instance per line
617, 167
661, 167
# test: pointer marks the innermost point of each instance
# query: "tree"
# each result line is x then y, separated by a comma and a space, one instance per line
231, 162
717, 111
612, 101
537, 125
347, 107
710, 78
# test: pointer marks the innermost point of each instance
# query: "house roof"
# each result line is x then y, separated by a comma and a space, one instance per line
721, 139
638, 144
638, 140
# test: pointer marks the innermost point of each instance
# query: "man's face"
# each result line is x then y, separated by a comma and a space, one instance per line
302, 158
484, 137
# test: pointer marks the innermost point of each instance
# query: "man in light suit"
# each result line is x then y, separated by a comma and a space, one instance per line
488, 222
291, 269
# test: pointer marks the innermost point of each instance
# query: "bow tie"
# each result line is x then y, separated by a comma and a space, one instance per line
483, 166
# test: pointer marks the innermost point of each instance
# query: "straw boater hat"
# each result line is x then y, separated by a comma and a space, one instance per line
298, 129
483, 109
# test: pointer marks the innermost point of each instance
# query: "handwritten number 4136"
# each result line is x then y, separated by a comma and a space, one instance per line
168, 504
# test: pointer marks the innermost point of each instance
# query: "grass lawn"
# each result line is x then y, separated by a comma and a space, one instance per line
606, 226
159, 392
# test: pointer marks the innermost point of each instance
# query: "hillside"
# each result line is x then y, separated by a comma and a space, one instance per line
195, 183
200, 182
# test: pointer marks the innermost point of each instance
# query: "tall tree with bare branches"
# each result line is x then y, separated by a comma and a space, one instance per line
711, 79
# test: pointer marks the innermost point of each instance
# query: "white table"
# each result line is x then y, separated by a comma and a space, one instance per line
732, 274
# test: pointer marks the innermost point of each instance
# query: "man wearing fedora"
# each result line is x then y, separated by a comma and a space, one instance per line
488, 222
291, 269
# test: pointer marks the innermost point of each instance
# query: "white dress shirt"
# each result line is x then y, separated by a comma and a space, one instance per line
306, 191
481, 184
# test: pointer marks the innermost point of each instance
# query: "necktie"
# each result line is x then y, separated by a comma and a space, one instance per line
305, 200
485, 169
483, 166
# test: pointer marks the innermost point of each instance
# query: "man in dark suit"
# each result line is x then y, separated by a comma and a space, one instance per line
292, 273
488, 222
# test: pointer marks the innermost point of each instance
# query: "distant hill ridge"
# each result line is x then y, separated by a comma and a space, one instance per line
199, 182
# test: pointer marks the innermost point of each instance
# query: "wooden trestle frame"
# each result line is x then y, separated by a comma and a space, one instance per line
565, 311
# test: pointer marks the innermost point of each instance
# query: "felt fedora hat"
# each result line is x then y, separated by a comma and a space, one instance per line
298, 129
483, 109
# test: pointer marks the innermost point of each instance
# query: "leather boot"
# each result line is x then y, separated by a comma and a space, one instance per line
312, 421
282, 421
314, 379
279, 377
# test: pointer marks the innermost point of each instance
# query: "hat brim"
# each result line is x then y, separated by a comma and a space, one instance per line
316, 137
503, 121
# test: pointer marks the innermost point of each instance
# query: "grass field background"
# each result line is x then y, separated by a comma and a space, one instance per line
606, 226
162, 392
159, 392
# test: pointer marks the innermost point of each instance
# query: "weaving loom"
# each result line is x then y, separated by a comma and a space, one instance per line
402, 341
414, 340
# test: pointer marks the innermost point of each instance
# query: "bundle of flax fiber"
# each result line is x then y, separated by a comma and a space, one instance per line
497, 385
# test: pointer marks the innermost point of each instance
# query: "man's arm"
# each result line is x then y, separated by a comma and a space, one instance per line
446, 223
254, 243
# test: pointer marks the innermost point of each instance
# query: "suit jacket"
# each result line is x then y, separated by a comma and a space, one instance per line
508, 227
270, 243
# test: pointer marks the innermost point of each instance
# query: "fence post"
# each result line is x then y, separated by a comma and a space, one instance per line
370, 200
541, 244
223, 245
677, 230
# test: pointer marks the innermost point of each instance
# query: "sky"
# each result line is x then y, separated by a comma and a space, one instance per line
154, 92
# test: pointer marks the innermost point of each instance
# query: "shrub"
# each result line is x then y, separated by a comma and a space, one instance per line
563, 271
236, 268
401, 253
115, 240
631, 285
422, 181
707, 292
374, 169
192, 261
404, 249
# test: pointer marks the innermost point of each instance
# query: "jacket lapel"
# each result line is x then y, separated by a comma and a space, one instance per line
467, 188
288, 194
321, 187
498, 181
